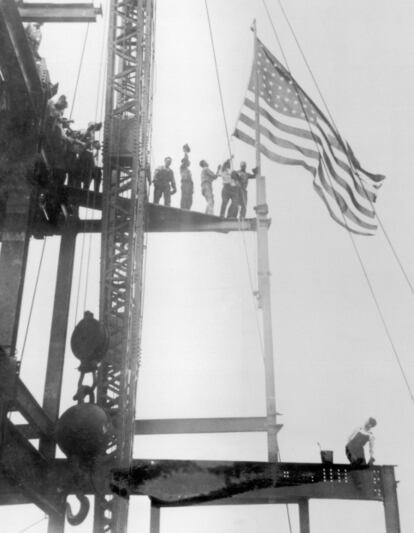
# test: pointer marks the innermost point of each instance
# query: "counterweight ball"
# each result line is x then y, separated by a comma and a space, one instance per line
84, 431
89, 342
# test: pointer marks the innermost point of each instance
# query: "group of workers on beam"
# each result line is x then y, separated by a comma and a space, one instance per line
75, 150
74, 153
233, 192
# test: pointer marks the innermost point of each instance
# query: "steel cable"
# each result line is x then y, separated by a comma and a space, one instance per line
371, 289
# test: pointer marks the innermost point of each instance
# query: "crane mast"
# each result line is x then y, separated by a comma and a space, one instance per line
126, 167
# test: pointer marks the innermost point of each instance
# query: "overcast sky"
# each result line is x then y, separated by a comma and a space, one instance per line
201, 352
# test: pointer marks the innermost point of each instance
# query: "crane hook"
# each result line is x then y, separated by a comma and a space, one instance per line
76, 519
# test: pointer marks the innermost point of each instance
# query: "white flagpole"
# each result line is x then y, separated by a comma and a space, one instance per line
263, 274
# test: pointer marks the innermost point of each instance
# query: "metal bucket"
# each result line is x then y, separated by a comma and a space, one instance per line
327, 456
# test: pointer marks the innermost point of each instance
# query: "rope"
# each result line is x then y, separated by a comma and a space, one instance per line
394, 349
403, 271
80, 277
32, 525
33, 299
407, 279
98, 108
70, 116
79, 70
218, 80
380, 313
252, 289
89, 211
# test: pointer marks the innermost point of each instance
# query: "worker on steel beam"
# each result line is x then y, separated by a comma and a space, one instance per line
34, 36
244, 178
354, 448
227, 189
207, 178
164, 183
187, 185
87, 157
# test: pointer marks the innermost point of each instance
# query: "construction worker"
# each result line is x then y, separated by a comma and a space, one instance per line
244, 178
164, 183
207, 178
354, 448
86, 155
34, 36
187, 185
226, 191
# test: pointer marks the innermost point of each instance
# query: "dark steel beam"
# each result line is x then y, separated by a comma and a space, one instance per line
15, 243
183, 483
203, 482
389, 487
52, 12
200, 425
57, 345
26, 404
17, 57
159, 218
304, 516
170, 219
155, 518
28, 471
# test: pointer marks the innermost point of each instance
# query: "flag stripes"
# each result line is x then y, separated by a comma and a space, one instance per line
293, 131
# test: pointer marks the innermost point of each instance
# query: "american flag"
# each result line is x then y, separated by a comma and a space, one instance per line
293, 131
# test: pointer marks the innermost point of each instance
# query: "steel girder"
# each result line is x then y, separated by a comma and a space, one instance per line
128, 102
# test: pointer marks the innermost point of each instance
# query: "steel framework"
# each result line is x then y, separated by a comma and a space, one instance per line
128, 102
28, 475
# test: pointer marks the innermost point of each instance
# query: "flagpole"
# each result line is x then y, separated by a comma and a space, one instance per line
263, 274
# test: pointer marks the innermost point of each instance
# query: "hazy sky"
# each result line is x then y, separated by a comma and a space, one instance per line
201, 351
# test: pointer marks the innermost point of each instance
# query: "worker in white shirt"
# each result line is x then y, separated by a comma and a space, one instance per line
354, 448
34, 36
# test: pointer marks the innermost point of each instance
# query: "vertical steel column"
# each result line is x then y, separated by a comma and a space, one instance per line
155, 518
13, 256
389, 489
13, 259
304, 520
263, 271
56, 357
57, 521
58, 333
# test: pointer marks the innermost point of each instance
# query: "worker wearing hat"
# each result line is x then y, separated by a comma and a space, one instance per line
164, 183
354, 448
34, 36
207, 178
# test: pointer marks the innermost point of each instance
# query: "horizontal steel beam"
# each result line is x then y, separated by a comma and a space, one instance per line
178, 483
159, 218
173, 426
20, 399
26, 404
183, 483
52, 12
201, 425
25, 469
